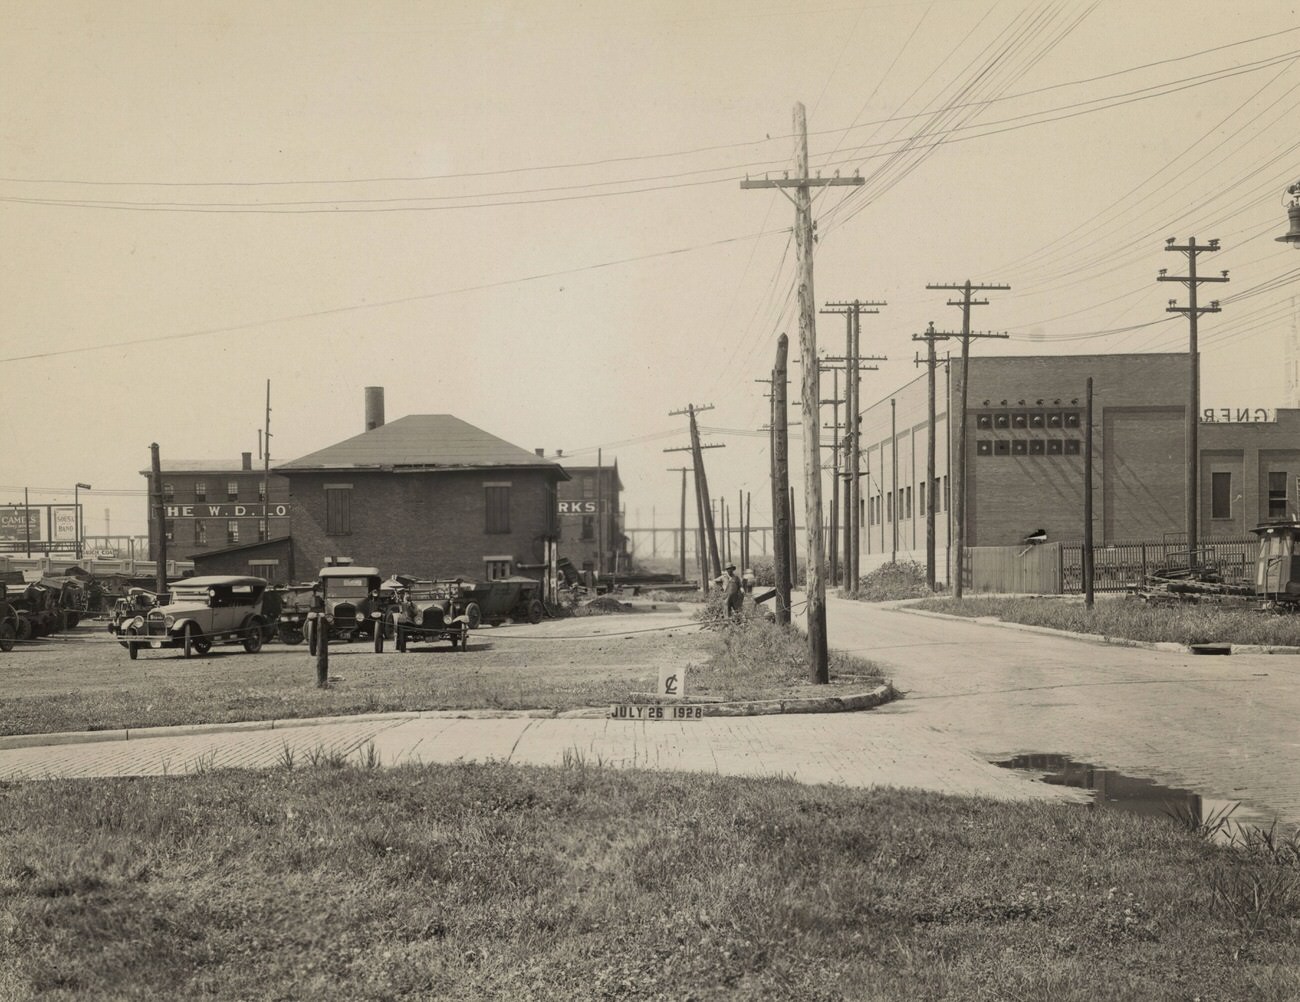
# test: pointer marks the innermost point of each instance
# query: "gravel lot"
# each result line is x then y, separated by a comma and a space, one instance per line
83, 680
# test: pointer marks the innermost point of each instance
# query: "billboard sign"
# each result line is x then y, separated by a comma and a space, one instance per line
18, 525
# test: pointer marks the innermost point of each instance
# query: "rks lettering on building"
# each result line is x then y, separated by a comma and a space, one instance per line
577, 507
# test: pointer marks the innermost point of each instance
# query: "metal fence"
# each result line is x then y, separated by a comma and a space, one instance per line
1117, 566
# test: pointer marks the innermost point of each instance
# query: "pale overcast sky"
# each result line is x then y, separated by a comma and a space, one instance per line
528, 214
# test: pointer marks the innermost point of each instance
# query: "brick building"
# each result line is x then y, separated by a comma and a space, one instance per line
1026, 430
211, 505
427, 495
591, 519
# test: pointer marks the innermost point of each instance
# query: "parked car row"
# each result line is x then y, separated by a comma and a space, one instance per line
353, 603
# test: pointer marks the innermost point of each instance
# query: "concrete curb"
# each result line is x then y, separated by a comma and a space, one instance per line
820, 704
1094, 638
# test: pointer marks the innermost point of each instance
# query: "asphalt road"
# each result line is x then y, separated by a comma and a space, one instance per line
1223, 727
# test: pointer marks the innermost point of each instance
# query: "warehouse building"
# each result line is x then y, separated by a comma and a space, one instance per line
591, 519
1026, 427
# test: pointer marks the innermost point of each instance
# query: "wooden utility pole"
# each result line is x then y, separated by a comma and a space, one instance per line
1192, 311
853, 421
931, 362
819, 663
600, 515
160, 516
1087, 501
782, 558
709, 543
832, 542
681, 550
967, 289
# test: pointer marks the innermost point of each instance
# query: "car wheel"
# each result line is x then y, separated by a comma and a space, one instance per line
189, 639
253, 635
474, 614
290, 635
536, 611
6, 637
24, 631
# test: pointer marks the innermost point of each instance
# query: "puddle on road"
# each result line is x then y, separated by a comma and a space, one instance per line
1116, 791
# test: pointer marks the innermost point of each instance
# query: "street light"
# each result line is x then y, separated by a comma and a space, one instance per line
76, 504
1292, 236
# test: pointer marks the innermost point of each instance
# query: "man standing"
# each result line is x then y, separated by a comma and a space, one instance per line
731, 592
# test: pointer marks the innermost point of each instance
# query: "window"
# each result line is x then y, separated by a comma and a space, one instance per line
588, 487
261, 490
889, 507
920, 498
1220, 495
169, 530
588, 526
232, 490
907, 498
1277, 495
1072, 447
262, 534
200, 532
936, 498
1037, 447
200, 490
338, 511
1019, 447
947, 498
497, 500
169, 492
496, 567
232, 532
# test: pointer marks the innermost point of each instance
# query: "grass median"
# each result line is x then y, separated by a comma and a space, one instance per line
1131, 619
327, 881
561, 665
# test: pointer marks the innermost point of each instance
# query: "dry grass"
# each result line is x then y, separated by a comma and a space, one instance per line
335, 882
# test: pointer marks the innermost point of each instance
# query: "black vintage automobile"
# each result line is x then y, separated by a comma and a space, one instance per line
428, 612
353, 605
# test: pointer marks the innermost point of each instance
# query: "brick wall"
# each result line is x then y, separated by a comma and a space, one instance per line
422, 524
185, 537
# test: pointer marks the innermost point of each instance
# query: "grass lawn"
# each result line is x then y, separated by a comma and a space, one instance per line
88, 683
1131, 619
333, 882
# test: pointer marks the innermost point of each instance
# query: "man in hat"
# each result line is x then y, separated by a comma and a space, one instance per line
731, 592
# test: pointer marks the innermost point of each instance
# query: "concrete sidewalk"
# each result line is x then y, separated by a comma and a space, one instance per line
854, 749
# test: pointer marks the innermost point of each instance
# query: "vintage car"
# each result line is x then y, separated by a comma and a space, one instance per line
136, 602
352, 604
516, 598
8, 621
295, 603
199, 612
428, 611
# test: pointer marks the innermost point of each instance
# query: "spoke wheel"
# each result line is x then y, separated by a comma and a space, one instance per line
253, 635
7, 635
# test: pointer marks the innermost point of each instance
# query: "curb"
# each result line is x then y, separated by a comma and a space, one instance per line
1096, 638
883, 693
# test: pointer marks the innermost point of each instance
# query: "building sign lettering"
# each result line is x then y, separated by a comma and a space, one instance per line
1239, 415
577, 507
226, 511
17, 524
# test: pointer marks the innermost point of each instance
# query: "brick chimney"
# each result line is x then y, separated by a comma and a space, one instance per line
374, 407
247, 460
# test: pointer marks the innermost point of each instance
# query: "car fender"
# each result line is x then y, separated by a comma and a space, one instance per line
178, 626
459, 619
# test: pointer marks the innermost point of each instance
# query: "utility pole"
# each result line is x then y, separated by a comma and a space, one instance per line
709, 556
782, 559
819, 663
1087, 502
266, 468
1192, 311
160, 513
931, 362
681, 551
834, 445
967, 289
853, 420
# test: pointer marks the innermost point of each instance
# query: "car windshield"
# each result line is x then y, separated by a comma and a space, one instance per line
349, 587
189, 594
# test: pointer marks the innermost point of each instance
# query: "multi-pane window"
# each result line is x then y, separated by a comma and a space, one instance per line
497, 503
169, 492
338, 511
261, 490
200, 532
496, 568
1277, 495
200, 490
588, 487
889, 507
232, 490
920, 499
947, 497
588, 526
262, 533
1220, 495
908, 496
232, 532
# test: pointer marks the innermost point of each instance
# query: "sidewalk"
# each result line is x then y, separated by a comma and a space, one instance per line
878, 748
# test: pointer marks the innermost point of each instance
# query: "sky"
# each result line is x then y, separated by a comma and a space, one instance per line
529, 214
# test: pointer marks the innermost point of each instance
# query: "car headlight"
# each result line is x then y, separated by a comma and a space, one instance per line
168, 620
361, 617
138, 622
